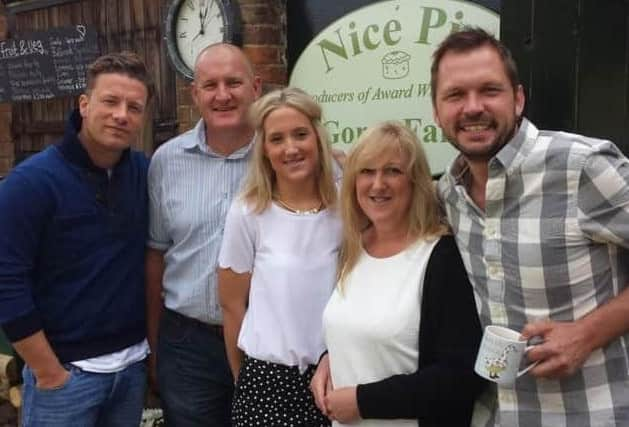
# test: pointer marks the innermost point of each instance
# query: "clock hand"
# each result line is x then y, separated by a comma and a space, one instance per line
205, 14
202, 7
207, 8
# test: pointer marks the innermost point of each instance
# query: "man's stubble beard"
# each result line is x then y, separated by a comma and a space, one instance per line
492, 149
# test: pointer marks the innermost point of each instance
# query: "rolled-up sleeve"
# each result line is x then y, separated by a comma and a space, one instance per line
603, 196
158, 235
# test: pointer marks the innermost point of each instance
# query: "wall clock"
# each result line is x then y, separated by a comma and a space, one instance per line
192, 25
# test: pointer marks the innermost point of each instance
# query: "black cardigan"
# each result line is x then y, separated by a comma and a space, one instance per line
443, 389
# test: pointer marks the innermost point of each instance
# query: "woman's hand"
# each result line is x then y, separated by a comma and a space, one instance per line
321, 384
342, 404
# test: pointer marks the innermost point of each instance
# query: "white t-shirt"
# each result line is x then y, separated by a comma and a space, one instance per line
293, 259
116, 361
372, 328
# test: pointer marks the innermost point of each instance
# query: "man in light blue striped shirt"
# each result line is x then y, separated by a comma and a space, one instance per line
192, 181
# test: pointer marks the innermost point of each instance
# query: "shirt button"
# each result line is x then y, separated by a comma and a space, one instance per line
507, 397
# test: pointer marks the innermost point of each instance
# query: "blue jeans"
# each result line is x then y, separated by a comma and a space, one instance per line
195, 382
86, 399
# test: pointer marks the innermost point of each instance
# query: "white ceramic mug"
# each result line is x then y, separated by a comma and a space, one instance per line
500, 356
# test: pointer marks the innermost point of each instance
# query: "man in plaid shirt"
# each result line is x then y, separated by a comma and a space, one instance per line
542, 222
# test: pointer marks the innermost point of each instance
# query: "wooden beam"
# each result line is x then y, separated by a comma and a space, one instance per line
41, 127
28, 5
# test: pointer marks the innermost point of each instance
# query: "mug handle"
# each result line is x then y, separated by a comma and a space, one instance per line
531, 366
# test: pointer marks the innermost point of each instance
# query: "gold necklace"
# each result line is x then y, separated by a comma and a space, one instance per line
289, 208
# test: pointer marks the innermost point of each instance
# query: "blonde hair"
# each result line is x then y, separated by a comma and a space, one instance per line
424, 216
260, 181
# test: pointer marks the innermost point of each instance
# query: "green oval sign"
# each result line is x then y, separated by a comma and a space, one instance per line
374, 64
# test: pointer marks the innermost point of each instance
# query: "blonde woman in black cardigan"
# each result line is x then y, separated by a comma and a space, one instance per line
401, 327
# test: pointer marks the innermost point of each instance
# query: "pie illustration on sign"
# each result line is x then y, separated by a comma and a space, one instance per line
395, 65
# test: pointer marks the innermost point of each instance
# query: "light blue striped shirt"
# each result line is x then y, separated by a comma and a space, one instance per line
190, 191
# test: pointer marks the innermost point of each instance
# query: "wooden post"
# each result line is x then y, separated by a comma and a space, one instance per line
8, 369
4, 389
15, 396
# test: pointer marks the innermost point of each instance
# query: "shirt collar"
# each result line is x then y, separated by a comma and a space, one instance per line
72, 149
518, 147
198, 137
198, 143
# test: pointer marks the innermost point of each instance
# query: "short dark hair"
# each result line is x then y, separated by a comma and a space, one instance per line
466, 40
127, 63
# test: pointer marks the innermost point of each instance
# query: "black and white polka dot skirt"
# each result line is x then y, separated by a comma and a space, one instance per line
272, 395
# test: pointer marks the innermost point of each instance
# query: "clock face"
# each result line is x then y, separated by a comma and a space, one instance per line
191, 25
199, 24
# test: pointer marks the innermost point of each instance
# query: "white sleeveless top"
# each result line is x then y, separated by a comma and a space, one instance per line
371, 328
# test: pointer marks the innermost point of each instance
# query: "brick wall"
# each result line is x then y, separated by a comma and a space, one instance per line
7, 153
264, 43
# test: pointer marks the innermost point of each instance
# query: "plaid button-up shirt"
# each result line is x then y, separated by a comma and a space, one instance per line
551, 243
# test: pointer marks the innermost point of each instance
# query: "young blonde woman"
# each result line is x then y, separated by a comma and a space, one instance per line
278, 264
401, 327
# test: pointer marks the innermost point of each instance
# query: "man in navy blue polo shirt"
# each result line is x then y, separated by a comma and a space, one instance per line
73, 226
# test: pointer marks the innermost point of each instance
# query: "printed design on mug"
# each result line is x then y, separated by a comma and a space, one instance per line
496, 365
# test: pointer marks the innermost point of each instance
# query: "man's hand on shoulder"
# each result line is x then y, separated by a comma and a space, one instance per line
339, 156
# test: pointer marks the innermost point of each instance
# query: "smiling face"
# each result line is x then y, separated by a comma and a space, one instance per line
475, 103
224, 88
291, 146
384, 190
113, 113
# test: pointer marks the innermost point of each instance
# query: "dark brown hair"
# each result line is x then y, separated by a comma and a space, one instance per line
127, 63
466, 40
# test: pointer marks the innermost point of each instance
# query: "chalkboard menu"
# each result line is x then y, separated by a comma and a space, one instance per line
46, 64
